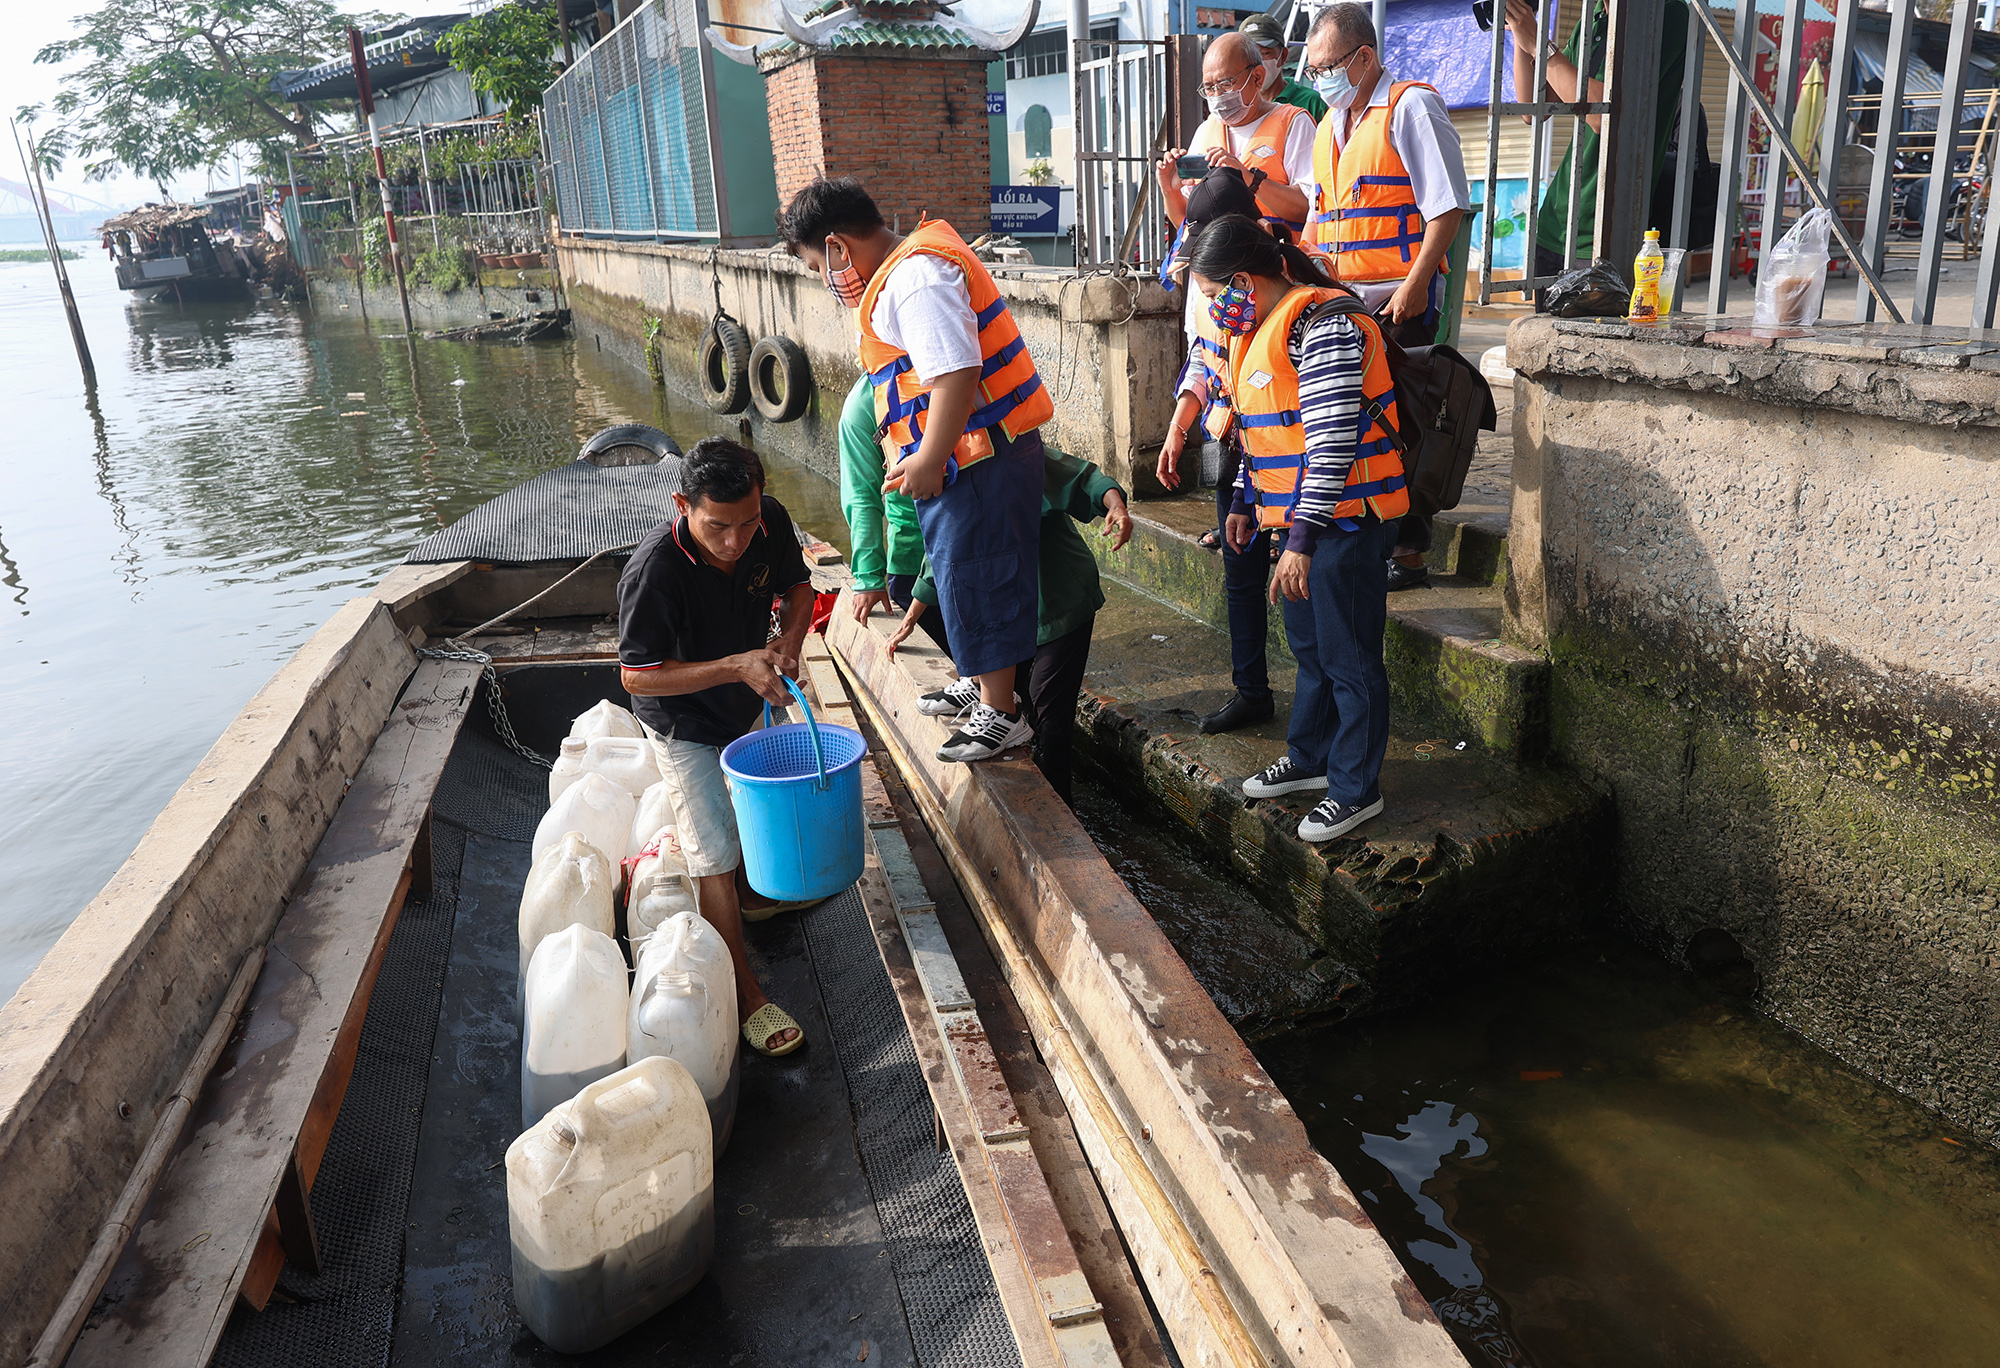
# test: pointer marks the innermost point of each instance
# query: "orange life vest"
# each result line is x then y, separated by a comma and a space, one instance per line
1011, 394
1266, 151
1265, 391
1209, 350
1364, 208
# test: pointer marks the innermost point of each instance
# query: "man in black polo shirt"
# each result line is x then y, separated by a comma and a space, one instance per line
694, 615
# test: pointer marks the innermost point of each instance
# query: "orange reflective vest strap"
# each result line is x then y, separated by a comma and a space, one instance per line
1209, 350
1265, 151
1376, 226
1265, 390
1320, 217
1011, 394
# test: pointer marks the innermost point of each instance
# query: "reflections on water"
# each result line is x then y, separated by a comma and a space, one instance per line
167, 539
1597, 1162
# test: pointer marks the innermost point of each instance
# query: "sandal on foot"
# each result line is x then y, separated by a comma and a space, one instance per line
769, 910
1210, 540
768, 1021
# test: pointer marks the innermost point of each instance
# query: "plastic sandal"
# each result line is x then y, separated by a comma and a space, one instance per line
769, 910
1210, 540
768, 1021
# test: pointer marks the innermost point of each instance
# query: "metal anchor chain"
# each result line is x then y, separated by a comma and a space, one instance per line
495, 707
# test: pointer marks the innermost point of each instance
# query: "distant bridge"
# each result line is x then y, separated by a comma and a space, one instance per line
16, 198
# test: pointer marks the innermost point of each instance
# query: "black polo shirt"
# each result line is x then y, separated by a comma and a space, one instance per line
672, 605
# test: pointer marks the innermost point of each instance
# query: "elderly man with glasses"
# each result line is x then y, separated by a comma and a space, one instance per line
1271, 144
1388, 193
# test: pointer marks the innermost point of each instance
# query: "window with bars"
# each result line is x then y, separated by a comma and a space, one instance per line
1047, 54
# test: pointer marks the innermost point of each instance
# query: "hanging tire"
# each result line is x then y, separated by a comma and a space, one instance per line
780, 379
722, 367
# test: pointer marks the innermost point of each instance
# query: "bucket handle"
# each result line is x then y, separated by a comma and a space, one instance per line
819, 754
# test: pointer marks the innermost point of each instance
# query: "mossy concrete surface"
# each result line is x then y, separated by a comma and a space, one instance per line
1449, 672
1473, 860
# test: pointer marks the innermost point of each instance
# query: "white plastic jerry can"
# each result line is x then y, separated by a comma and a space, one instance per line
669, 893
572, 1017
570, 885
568, 767
684, 1005
606, 719
626, 761
665, 860
595, 806
611, 1206
656, 810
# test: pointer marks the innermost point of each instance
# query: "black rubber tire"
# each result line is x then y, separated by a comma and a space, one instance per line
780, 379
629, 444
722, 366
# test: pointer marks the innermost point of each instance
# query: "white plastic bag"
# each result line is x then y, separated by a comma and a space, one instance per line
1793, 275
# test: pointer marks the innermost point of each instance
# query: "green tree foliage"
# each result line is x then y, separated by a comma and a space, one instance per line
509, 52
168, 86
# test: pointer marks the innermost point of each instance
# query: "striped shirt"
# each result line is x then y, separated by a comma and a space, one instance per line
1328, 353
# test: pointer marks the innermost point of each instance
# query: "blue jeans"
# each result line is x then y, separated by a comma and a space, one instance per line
983, 535
1246, 578
1340, 714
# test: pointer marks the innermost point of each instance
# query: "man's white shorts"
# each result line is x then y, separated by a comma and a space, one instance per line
704, 820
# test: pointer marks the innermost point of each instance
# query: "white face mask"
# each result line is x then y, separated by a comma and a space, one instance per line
1274, 75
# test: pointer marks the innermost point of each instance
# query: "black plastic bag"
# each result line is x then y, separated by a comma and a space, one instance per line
1598, 290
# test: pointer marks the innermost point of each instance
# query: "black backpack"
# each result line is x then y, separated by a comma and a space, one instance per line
1442, 404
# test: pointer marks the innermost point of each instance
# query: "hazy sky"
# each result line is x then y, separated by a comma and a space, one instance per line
23, 82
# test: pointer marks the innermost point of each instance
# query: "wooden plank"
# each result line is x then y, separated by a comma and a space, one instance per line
1254, 1249
119, 1004
171, 1294
569, 640
1100, 1249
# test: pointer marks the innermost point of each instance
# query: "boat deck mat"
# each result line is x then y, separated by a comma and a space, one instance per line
567, 513
839, 1226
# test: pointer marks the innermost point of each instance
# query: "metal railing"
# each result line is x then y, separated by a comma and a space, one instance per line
1119, 107
1925, 162
628, 130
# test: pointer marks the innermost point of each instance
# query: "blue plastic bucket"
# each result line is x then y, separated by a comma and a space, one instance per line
797, 794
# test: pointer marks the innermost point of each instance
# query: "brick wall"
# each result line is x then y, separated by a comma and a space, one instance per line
912, 129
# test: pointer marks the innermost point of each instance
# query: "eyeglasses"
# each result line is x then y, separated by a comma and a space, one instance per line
1215, 88
1313, 73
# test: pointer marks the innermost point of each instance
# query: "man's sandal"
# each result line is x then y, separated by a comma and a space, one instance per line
768, 1021
769, 910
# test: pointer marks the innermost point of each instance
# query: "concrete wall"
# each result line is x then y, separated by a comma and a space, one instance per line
505, 291
1108, 350
1766, 573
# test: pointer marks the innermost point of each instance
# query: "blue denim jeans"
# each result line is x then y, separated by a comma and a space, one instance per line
1246, 578
1340, 714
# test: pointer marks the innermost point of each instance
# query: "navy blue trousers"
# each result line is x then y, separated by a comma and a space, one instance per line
983, 535
1340, 714
1246, 579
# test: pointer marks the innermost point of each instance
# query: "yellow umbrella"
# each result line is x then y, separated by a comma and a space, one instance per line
1807, 117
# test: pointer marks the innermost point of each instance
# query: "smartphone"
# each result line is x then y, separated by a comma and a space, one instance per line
1191, 167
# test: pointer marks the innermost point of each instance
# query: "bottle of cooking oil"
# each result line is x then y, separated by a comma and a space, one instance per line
1647, 269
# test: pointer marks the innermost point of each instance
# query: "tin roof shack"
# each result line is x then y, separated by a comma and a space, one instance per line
1763, 567
165, 253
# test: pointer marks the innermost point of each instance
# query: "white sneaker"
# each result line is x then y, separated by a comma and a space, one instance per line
1331, 819
985, 734
1275, 781
951, 700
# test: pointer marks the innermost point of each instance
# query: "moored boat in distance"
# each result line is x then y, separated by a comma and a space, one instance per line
165, 253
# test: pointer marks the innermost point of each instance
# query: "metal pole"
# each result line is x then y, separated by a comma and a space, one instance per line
603, 162
1735, 133
1492, 190
1881, 183
1625, 143
1786, 91
1086, 198
31, 170
646, 121
1586, 58
1943, 151
1839, 76
381, 170
430, 200
1693, 147
1539, 128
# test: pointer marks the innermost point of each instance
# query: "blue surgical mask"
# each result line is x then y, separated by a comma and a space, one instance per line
1335, 88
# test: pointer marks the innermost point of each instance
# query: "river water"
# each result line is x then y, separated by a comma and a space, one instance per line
1587, 1164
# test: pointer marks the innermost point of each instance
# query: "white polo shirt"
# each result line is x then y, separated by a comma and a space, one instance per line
1420, 130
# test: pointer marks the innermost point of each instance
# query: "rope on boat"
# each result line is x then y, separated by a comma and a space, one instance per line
457, 648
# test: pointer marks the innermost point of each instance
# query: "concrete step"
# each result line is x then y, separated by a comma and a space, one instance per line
1473, 859
1449, 672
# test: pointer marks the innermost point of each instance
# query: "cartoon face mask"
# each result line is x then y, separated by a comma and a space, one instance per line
1234, 310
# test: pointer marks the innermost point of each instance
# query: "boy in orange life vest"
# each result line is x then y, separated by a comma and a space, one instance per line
1389, 191
959, 405
1315, 406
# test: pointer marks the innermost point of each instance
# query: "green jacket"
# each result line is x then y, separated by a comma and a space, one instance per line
1553, 219
1305, 97
864, 505
1073, 491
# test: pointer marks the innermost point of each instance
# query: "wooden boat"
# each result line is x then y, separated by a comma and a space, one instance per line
253, 1105
164, 253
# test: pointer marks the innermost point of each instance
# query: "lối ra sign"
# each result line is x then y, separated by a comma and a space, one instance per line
1026, 209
